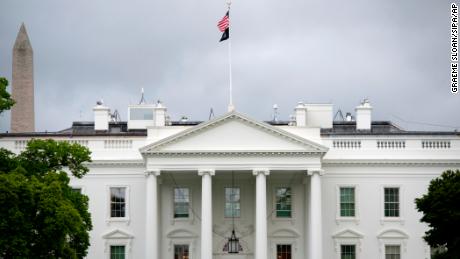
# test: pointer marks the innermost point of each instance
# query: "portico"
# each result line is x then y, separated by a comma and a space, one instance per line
236, 143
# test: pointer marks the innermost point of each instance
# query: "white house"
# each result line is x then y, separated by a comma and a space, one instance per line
308, 188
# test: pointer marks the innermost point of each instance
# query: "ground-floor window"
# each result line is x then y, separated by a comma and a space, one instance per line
117, 252
392, 252
347, 252
283, 252
181, 252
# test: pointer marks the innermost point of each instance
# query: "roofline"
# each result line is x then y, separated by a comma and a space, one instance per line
186, 132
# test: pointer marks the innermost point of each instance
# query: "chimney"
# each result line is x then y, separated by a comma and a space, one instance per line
160, 114
363, 116
300, 115
22, 89
101, 117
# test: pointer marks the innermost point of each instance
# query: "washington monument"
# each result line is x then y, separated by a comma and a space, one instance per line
22, 113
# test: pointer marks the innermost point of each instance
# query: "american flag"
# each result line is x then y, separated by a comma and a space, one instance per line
224, 23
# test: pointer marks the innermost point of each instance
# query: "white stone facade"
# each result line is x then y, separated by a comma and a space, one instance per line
263, 157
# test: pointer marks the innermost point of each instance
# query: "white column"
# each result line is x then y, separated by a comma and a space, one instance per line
315, 224
206, 213
261, 213
151, 224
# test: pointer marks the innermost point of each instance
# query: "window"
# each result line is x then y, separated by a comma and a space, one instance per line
76, 189
117, 252
117, 202
141, 114
392, 252
283, 202
283, 252
391, 202
181, 252
347, 202
232, 202
347, 252
181, 202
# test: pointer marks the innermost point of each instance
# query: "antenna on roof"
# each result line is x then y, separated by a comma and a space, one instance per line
142, 101
115, 116
211, 114
339, 113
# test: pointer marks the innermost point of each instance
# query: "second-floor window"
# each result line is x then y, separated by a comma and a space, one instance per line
283, 202
347, 202
232, 202
117, 202
181, 202
391, 202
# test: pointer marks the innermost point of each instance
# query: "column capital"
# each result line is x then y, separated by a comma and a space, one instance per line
258, 171
210, 172
315, 171
154, 172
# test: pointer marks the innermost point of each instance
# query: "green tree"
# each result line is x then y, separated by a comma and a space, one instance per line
441, 210
40, 215
5, 98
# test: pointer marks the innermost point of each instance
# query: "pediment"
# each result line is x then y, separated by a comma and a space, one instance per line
233, 132
117, 234
348, 233
285, 233
392, 234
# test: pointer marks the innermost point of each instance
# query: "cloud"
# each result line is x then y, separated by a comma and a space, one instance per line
395, 53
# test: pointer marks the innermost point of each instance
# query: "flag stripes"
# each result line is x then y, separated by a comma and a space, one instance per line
224, 23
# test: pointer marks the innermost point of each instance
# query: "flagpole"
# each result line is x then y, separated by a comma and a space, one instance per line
230, 105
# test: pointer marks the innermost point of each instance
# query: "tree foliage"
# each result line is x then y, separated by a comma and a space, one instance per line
40, 215
441, 209
5, 98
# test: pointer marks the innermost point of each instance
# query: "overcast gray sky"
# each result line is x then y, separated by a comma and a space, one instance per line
396, 53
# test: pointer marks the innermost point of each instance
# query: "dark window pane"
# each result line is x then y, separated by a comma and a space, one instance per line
391, 202
117, 252
181, 252
117, 202
181, 202
283, 202
347, 252
283, 252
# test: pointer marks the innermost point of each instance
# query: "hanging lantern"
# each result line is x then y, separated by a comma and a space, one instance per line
233, 244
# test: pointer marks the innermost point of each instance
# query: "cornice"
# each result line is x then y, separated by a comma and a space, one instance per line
390, 162
233, 153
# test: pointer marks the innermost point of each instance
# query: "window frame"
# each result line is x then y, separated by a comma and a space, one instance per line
338, 217
189, 203
225, 202
126, 218
284, 243
385, 250
275, 197
348, 244
114, 245
385, 219
182, 244
392, 236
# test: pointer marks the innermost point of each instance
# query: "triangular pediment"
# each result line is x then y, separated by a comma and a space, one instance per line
348, 233
117, 234
392, 233
233, 132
